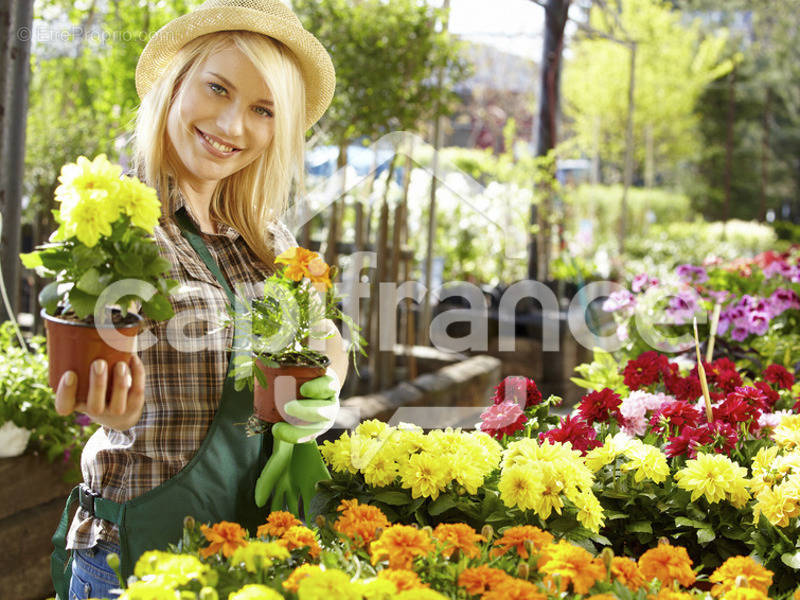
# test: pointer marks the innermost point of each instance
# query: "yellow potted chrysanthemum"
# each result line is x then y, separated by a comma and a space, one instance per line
102, 258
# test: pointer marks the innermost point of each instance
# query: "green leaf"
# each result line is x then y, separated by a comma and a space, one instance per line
82, 303
704, 536
684, 522
158, 308
640, 527
85, 258
442, 504
31, 260
157, 266
392, 497
791, 560
91, 283
49, 297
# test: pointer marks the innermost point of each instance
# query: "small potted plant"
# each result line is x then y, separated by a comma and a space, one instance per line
102, 258
297, 301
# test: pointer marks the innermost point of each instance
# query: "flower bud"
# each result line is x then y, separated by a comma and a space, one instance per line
378, 532
187, 595
663, 540
188, 523
523, 571
209, 593
488, 532
607, 556
428, 529
530, 548
321, 521
113, 561
212, 578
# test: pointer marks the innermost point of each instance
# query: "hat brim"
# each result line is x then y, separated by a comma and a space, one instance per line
315, 62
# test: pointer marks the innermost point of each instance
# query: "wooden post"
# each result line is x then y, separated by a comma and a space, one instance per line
628, 151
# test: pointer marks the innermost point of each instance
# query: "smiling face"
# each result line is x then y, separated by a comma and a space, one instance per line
221, 120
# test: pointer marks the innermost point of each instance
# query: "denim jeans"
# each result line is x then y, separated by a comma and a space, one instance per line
91, 575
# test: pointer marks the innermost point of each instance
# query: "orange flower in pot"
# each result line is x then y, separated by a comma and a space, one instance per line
102, 258
295, 391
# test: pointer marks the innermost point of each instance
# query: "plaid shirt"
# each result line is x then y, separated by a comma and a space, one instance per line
185, 367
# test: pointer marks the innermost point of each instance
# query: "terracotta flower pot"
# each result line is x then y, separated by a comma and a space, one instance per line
73, 346
269, 402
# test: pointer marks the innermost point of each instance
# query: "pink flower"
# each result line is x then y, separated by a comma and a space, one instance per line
502, 419
635, 407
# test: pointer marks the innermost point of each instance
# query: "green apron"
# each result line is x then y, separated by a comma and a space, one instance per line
216, 485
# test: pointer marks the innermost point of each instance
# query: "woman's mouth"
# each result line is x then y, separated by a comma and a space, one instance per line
215, 147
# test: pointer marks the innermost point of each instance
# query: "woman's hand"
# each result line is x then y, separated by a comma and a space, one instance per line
127, 396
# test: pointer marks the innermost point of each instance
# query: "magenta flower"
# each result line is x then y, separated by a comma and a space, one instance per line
619, 300
502, 419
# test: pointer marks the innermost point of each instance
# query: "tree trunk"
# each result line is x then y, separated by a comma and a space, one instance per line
765, 157
623, 213
726, 215
556, 12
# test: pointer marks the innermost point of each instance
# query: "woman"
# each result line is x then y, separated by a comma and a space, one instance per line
227, 94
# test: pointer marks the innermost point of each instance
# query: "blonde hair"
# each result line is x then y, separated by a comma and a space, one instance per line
258, 193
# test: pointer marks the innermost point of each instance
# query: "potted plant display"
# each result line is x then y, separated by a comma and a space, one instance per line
102, 259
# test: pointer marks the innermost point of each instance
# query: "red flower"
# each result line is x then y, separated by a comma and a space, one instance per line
599, 407
517, 389
645, 370
722, 373
717, 436
736, 409
684, 388
752, 395
675, 415
780, 376
580, 434
770, 395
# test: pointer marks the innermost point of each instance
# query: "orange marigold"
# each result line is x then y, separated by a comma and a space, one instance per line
301, 537
278, 522
225, 536
359, 522
602, 597
797, 594
296, 260
300, 573
458, 536
403, 579
515, 589
745, 594
627, 572
740, 571
668, 564
515, 537
400, 545
479, 580
573, 566
668, 594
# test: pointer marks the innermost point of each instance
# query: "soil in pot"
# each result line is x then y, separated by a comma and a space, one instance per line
269, 402
73, 344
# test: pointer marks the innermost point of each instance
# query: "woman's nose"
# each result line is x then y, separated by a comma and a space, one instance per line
231, 122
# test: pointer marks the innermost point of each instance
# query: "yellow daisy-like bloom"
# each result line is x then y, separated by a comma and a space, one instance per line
763, 468
420, 595
472, 470
521, 487
382, 470
787, 434
330, 584
572, 565
140, 202
258, 555
779, 504
647, 461
377, 589
740, 571
300, 573
745, 594
170, 569
153, 589
337, 454
716, 478
363, 450
425, 474
407, 442
492, 450
612, 447
371, 428
590, 511
254, 591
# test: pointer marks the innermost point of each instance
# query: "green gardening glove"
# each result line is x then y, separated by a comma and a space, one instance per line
296, 465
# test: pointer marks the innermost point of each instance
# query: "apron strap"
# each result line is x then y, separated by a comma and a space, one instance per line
189, 231
60, 559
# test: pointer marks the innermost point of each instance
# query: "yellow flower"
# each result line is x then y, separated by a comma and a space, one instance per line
716, 478
377, 589
420, 595
298, 575
780, 503
787, 434
492, 450
425, 474
140, 202
255, 591
472, 470
590, 512
648, 461
337, 454
371, 428
149, 590
170, 569
381, 471
521, 487
612, 447
330, 584
319, 274
258, 555
745, 594
296, 260
740, 571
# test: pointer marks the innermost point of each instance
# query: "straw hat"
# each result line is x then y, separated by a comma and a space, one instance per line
270, 17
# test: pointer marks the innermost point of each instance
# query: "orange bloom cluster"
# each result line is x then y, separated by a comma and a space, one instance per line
400, 545
403, 579
668, 564
278, 523
515, 537
293, 581
571, 565
481, 579
359, 522
627, 572
458, 536
301, 263
740, 571
225, 536
301, 537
